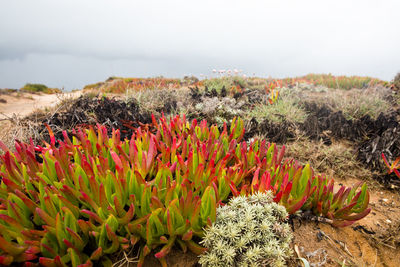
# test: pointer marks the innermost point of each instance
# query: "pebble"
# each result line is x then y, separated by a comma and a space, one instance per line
388, 221
385, 200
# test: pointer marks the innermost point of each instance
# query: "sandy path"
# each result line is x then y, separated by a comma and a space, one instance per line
24, 104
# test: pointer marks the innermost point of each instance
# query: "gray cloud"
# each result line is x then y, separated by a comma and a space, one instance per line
71, 43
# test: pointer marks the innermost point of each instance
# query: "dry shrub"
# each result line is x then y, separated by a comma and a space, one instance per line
160, 100
337, 160
15, 129
354, 103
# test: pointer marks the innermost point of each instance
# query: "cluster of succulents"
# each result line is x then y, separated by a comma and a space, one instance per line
75, 202
89, 197
297, 187
248, 231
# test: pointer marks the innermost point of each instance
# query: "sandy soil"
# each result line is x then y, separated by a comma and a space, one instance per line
22, 104
361, 244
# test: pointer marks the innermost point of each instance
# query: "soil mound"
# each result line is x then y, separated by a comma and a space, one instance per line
86, 111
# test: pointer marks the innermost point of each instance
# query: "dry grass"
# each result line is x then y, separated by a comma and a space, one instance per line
354, 103
161, 99
22, 129
15, 129
337, 160
392, 236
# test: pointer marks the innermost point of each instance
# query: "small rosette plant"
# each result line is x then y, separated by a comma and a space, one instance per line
248, 231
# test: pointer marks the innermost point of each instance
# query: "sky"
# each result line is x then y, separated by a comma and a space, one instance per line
68, 44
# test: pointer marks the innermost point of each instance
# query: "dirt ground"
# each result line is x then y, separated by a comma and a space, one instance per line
365, 243
22, 104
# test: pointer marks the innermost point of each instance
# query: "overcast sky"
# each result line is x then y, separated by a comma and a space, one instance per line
75, 42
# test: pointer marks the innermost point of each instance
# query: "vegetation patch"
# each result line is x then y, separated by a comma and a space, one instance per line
119, 85
79, 201
286, 108
336, 82
39, 88
150, 166
355, 103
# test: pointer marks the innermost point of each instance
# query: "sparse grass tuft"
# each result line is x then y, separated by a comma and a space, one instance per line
227, 82
286, 108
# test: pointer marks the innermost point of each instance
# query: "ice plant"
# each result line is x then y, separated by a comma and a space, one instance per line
270, 89
296, 187
392, 167
74, 202
80, 200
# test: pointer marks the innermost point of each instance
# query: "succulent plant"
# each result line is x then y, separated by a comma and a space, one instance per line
248, 231
297, 188
394, 167
74, 202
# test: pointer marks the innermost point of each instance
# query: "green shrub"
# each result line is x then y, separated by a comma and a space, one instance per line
228, 82
39, 88
286, 108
